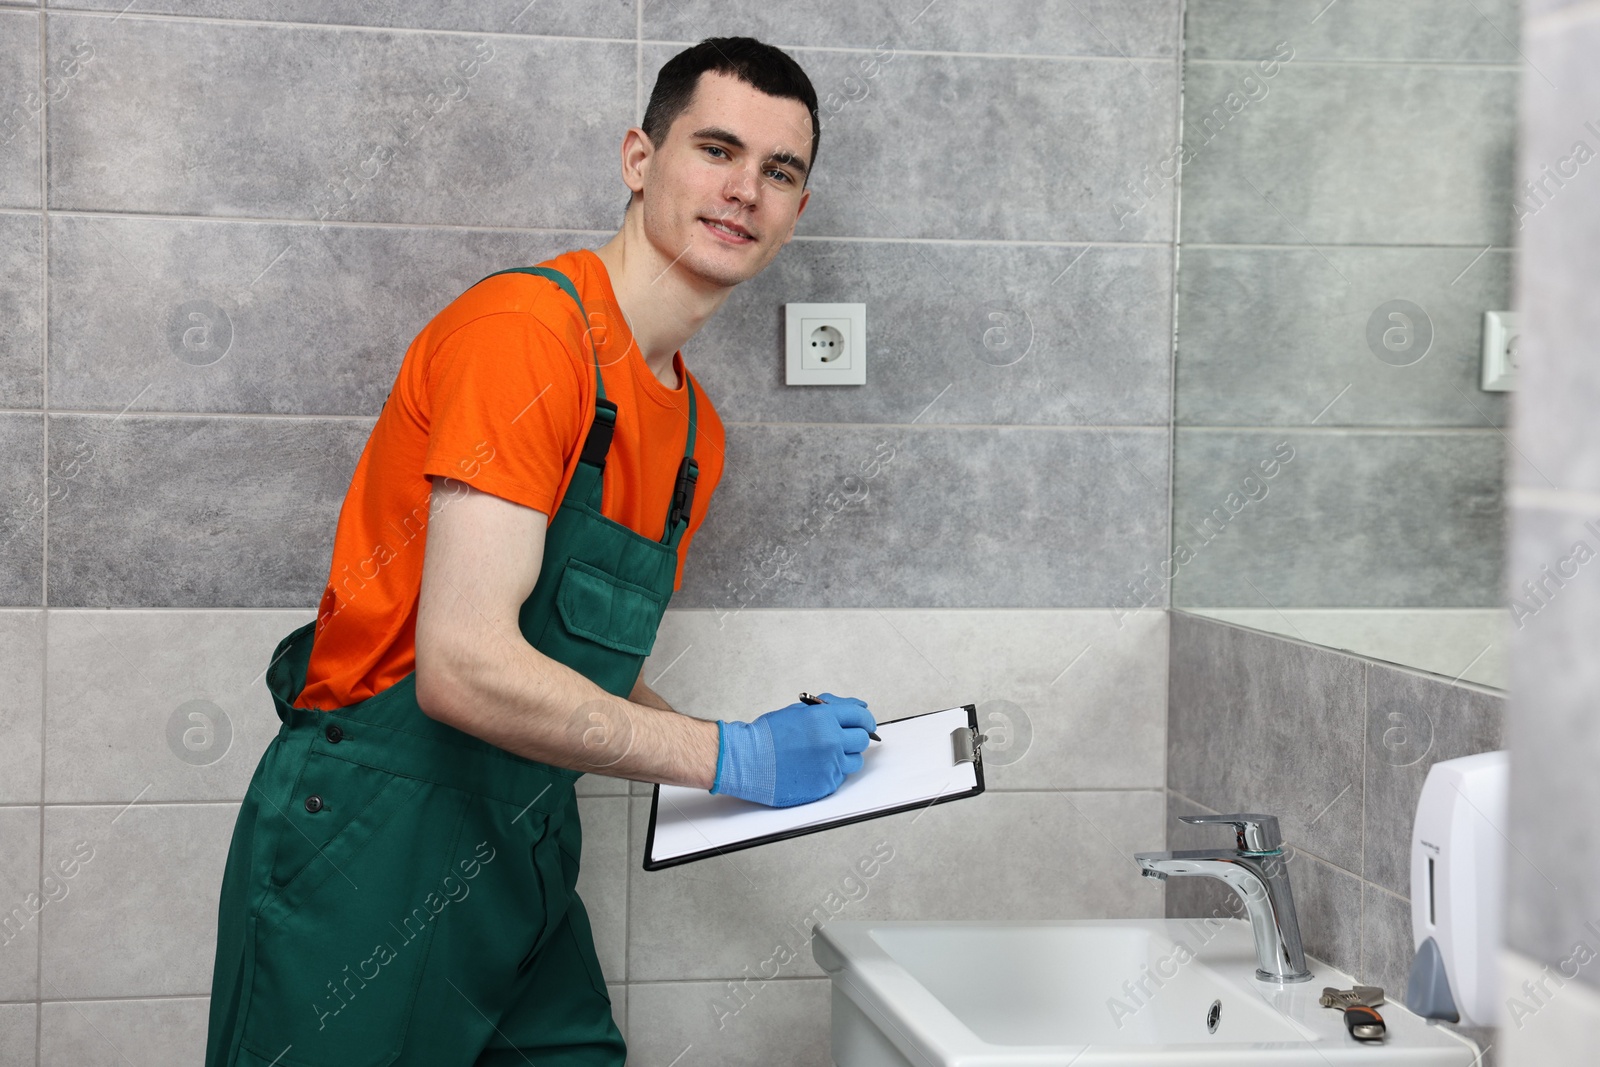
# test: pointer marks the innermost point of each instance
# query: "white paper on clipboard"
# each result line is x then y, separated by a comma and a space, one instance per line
912, 764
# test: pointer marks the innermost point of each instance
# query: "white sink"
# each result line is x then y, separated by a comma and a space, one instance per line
1031, 993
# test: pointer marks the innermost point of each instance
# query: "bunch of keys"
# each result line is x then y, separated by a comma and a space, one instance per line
1358, 1004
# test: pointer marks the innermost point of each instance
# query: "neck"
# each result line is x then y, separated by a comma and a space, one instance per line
665, 303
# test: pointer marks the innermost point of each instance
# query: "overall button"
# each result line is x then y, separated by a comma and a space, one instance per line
334, 735
313, 803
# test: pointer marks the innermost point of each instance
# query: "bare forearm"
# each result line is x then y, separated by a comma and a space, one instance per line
515, 697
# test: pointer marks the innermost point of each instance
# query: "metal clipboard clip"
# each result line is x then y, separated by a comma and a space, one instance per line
966, 745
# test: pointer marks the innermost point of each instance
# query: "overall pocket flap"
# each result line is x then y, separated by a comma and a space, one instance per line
608, 610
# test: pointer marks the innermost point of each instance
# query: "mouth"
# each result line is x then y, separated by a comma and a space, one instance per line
729, 232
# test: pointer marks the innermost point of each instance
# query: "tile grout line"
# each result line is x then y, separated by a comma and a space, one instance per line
1181, 16
356, 224
559, 39
1330, 431
349, 223
1361, 927
44, 518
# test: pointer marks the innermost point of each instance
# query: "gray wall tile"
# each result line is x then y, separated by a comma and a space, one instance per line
1041, 518
593, 18
124, 688
780, 1021
619, 1006
1532, 9
19, 1027
1413, 722
156, 516
24, 496
1328, 905
1558, 389
1020, 333
602, 785
170, 119
1369, 519
1070, 854
1115, 115
22, 98
1329, 156
1464, 644
1553, 734
603, 879
1259, 724
133, 1033
1271, 336
115, 330
23, 902
1434, 30
21, 339
298, 323
1386, 948
1070, 699
129, 926
1093, 28
21, 705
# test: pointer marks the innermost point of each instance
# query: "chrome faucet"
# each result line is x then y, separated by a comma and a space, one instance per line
1258, 871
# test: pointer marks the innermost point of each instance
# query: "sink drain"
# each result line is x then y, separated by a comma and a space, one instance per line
1213, 1016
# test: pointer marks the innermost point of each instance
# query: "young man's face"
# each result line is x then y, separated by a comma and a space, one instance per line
735, 156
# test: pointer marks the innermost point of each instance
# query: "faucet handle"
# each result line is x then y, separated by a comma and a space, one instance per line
1256, 833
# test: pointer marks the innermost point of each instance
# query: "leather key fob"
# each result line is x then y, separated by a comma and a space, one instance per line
1364, 1023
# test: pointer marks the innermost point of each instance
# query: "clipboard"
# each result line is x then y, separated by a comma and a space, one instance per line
939, 758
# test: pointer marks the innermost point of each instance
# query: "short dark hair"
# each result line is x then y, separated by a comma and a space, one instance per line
761, 66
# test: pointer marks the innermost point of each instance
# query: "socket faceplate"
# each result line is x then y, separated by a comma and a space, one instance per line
826, 344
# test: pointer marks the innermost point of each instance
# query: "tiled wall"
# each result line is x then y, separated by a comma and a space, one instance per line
1555, 672
168, 497
1369, 162
1337, 747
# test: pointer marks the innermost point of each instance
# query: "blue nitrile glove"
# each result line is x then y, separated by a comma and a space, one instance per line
793, 755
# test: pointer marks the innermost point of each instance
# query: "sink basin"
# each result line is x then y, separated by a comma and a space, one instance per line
1030, 993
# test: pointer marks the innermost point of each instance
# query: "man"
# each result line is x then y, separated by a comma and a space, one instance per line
400, 883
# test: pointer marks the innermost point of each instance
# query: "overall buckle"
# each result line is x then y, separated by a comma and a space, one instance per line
598, 443
682, 494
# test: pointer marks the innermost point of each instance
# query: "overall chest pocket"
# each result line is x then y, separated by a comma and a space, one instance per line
608, 610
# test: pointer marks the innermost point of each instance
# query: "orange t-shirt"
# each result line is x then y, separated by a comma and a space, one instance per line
497, 392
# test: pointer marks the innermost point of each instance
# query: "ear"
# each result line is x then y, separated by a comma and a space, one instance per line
636, 153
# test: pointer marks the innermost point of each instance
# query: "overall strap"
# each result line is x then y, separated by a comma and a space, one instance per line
598, 443
688, 475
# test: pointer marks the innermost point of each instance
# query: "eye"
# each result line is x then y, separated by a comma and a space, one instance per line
782, 174
715, 148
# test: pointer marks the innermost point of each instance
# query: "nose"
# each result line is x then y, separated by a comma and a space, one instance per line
742, 184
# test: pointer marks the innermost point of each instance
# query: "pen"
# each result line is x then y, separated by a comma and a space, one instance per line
807, 698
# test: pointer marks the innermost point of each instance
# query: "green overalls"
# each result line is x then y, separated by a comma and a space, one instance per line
400, 892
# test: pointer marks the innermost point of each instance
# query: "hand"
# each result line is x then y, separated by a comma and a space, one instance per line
793, 755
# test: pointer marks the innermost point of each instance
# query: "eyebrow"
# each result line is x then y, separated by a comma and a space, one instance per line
717, 133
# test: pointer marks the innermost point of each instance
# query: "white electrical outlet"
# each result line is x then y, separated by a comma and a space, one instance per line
1501, 333
826, 344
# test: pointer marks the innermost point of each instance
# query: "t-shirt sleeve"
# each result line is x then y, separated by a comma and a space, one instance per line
505, 409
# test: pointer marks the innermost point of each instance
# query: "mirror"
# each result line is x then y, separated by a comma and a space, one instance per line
1347, 218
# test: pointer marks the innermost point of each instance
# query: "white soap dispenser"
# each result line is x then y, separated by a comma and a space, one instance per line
1458, 889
